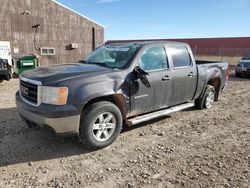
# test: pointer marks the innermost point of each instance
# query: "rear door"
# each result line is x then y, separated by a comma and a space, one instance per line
184, 80
144, 99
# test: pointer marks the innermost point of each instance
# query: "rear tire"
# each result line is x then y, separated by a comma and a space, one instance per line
8, 77
237, 74
100, 125
207, 99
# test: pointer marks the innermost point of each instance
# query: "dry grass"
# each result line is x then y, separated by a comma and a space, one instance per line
230, 60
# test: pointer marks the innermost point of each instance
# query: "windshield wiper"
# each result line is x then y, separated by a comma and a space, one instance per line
98, 63
83, 61
94, 63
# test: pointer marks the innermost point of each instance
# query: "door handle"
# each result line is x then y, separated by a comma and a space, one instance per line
166, 78
191, 74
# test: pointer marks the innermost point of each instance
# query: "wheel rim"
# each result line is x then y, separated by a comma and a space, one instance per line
210, 99
104, 126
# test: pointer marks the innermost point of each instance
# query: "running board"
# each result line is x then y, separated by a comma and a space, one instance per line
161, 113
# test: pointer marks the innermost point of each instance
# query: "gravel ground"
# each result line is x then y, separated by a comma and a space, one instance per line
193, 148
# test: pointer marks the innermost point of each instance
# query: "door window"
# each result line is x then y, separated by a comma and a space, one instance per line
180, 56
154, 58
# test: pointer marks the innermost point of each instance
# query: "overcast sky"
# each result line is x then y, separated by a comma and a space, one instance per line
141, 19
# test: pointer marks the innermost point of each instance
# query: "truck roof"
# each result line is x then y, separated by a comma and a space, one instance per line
144, 43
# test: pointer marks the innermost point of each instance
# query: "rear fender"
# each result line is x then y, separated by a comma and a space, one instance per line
213, 77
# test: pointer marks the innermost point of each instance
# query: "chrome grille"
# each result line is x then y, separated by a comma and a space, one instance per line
29, 91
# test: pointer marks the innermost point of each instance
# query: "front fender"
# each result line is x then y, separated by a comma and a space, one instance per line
92, 91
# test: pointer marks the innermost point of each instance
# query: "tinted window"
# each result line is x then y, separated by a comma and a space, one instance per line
153, 58
180, 56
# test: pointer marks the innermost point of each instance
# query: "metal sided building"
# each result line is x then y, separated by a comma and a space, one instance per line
231, 46
49, 29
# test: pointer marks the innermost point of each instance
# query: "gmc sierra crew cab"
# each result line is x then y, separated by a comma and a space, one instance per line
116, 85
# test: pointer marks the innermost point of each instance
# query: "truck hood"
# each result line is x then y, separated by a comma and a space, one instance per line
245, 61
58, 73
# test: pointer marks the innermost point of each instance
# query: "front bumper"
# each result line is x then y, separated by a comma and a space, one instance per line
241, 71
61, 124
245, 72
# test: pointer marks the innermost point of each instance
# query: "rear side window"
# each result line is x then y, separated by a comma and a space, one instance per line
154, 58
180, 56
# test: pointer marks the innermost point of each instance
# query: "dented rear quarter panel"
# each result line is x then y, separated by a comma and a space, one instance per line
209, 70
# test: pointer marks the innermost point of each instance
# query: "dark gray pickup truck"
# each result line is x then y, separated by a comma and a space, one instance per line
116, 85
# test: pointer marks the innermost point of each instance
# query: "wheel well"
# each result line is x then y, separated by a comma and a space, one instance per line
215, 82
117, 99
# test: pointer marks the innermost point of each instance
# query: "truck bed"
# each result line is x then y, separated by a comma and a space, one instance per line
200, 62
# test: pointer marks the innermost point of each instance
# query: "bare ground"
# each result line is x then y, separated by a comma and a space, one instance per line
193, 148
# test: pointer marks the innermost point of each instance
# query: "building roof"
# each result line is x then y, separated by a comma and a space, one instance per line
143, 43
55, 1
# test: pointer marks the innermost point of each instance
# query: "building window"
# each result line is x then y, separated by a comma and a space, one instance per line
48, 51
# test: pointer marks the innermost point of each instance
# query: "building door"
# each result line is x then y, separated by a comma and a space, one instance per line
93, 39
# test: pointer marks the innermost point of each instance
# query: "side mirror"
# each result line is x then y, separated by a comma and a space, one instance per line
141, 74
239, 65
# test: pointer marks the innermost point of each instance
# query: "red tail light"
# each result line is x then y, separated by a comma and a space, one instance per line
228, 72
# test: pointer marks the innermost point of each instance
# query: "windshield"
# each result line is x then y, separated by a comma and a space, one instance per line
246, 65
247, 57
112, 56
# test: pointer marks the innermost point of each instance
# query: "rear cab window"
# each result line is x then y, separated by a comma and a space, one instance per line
180, 56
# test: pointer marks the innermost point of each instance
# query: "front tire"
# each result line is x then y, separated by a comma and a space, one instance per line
101, 124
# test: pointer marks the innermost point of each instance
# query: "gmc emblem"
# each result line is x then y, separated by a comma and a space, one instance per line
24, 90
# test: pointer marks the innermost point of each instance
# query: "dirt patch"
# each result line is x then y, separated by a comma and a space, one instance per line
193, 148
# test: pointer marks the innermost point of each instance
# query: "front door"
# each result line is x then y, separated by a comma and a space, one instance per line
154, 61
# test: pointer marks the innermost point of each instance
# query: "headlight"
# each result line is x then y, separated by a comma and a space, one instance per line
54, 95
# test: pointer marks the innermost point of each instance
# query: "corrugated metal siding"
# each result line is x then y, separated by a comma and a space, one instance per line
59, 28
237, 46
